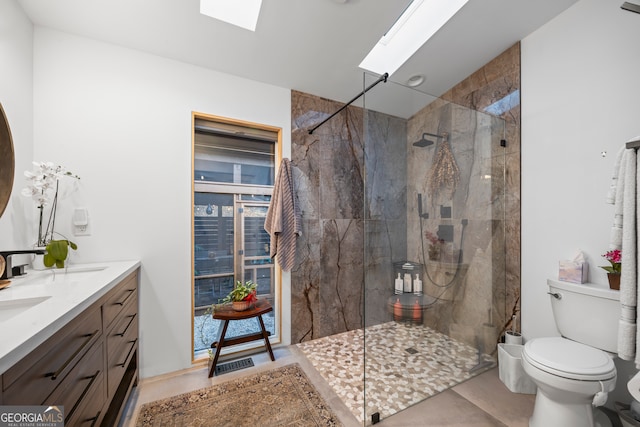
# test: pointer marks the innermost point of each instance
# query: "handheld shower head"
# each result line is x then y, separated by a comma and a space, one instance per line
424, 142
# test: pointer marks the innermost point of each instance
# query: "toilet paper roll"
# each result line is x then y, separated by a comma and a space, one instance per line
511, 337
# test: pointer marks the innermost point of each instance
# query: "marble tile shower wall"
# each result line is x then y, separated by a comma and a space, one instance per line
327, 281
466, 308
332, 171
385, 210
495, 88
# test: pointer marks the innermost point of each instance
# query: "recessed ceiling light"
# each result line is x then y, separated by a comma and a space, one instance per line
419, 21
242, 13
415, 80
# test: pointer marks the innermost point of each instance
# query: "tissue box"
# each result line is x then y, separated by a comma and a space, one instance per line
574, 272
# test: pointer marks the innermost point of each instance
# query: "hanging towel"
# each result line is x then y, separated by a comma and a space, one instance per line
615, 196
283, 218
611, 195
624, 237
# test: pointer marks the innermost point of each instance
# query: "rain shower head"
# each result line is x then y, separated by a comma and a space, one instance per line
424, 142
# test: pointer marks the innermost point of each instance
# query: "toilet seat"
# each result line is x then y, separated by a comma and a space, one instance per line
569, 359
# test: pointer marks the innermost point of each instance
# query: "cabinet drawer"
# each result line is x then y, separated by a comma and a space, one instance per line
120, 350
81, 384
91, 411
119, 297
125, 329
33, 378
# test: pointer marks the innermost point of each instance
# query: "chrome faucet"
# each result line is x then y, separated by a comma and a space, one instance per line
9, 268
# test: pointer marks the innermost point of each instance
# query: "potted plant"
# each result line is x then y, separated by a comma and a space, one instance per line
43, 187
615, 269
243, 296
57, 252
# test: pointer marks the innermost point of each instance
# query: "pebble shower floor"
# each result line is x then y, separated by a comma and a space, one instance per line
405, 364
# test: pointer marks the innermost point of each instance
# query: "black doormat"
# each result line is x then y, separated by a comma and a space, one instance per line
235, 365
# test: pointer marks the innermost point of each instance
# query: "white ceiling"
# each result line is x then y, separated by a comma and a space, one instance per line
313, 46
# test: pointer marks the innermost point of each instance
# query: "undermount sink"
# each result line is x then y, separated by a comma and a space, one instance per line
52, 275
12, 308
73, 273
75, 270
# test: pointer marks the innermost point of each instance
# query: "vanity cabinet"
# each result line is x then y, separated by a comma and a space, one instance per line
120, 320
89, 366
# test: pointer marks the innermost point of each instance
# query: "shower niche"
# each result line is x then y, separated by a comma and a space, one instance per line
433, 211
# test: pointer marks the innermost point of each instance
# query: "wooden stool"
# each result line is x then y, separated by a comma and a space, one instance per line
226, 313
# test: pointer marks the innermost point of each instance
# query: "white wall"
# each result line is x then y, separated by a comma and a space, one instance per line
121, 119
16, 97
579, 97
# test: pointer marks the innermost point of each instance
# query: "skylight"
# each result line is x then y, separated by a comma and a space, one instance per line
242, 13
420, 20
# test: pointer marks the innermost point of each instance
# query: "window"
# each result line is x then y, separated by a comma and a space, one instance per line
234, 170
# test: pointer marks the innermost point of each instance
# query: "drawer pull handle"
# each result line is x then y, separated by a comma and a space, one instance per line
133, 345
94, 420
129, 292
54, 375
84, 392
132, 316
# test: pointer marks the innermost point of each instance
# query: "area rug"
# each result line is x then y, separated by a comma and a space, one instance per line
278, 397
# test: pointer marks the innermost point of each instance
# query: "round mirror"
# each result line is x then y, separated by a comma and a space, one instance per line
7, 161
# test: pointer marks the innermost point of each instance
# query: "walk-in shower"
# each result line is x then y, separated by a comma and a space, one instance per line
439, 212
401, 270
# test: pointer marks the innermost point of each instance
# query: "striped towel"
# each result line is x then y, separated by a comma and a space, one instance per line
283, 218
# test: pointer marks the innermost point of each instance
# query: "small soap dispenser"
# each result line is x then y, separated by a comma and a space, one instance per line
399, 284
417, 285
407, 282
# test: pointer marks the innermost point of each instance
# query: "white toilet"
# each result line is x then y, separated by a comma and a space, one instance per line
575, 372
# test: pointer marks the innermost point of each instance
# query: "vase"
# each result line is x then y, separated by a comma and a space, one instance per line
241, 305
37, 263
614, 280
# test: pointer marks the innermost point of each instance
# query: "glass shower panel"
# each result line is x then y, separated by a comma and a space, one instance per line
434, 298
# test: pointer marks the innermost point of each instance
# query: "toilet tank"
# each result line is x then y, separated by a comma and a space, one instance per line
587, 313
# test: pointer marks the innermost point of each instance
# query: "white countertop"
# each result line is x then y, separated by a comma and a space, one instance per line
38, 304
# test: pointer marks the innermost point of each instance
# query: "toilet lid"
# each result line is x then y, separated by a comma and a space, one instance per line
569, 359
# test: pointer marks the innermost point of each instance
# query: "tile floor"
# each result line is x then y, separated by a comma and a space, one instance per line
405, 364
480, 401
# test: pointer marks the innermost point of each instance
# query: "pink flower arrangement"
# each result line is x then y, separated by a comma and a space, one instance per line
615, 259
432, 238
434, 245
